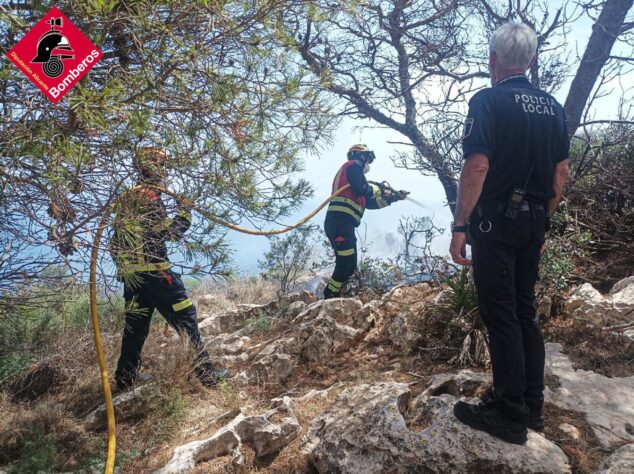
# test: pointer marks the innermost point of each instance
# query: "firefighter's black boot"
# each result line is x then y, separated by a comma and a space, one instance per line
210, 376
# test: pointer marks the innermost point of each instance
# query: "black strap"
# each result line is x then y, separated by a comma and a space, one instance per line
528, 176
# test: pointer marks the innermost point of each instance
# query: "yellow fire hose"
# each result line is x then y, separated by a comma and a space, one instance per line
101, 358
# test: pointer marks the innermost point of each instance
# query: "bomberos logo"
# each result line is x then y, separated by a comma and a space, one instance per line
54, 55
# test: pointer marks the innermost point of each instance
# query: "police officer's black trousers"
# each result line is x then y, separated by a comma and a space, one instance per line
163, 291
340, 231
505, 266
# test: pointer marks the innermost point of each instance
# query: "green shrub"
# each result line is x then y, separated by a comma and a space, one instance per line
12, 365
174, 406
38, 453
464, 296
259, 323
373, 274
453, 331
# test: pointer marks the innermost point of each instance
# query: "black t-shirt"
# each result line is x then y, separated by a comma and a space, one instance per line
515, 124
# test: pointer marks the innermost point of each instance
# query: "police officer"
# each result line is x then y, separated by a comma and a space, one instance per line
515, 146
138, 247
346, 210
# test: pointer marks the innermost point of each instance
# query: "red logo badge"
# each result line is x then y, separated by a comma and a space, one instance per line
54, 55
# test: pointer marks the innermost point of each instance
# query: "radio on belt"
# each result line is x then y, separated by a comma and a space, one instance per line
514, 203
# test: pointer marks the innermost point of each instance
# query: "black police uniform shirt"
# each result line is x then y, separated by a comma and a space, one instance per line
516, 124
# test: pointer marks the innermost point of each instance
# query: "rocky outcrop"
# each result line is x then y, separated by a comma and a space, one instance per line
128, 405
465, 383
620, 461
263, 435
617, 307
271, 369
322, 336
365, 431
399, 332
223, 322
339, 309
306, 297
608, 403
294, 308
205, 305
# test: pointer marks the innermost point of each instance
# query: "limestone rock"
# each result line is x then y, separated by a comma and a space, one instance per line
306, 297
465, 383
571, 431
400, 334
272, 368
339, 309
271, 438
371, 315
365, 431
234, 319
223, 442
443, 297
224, 321
295, 308
621, 285
608, 403
241, 378
233, 344
620, 461
230, 360
258, 431
617, 307
287, 345
322, 336
206, 304
407, 293
131, 404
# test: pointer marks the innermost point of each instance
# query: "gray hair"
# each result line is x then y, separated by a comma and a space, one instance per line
514, 44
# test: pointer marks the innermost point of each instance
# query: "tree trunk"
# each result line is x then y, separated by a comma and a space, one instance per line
604, 34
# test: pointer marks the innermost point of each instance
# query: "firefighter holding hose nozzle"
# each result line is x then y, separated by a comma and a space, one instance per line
138, 246
346, 211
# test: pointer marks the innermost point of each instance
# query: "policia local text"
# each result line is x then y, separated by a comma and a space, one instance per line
536, 104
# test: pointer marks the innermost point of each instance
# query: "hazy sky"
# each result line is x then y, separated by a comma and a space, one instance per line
382, 224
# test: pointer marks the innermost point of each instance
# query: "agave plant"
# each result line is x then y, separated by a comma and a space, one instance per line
462, 306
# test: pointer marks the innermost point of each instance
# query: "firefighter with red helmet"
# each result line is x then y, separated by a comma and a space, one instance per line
138, 246
345, 212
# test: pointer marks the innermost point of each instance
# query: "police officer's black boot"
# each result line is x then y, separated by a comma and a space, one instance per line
535, 418
486, 416
210, 376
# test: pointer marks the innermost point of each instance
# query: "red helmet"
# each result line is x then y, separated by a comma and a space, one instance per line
147, 158
361, 152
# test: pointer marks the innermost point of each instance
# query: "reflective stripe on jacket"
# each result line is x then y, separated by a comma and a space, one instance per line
348, 202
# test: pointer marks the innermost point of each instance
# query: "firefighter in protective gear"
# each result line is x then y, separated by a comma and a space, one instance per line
138, 247
346, 211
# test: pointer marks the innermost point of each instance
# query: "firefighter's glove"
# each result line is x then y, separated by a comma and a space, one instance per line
402, 195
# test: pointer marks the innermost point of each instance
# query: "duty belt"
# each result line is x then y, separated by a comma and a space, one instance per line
526, 206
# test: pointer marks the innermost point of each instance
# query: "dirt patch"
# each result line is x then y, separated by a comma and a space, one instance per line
585, 454
592, 348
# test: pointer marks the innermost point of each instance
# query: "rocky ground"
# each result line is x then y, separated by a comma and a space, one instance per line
347, 386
